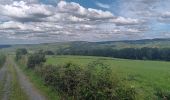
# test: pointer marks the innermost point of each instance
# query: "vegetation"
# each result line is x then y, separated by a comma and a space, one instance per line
34, 77
36, 59
48, 52
127, 53
16, 91
2, 60
59, 46
95, 81
145, 76
20, 53
163, 94
88, 78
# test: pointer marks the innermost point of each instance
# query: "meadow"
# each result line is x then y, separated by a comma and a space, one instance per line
146, 76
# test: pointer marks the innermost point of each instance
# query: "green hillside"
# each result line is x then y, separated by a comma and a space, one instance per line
159, 43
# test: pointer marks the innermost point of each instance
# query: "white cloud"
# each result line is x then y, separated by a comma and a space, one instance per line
125, 21
166, 14
106, 6
66, 21
133, 30
77, 10
22, 11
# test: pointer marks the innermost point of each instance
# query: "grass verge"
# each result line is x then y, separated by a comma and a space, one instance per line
2, 83
48, 92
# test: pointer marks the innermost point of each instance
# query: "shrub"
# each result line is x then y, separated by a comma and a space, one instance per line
36, 59
48, 52
65, 79
93, 82
99, 84
20, 52
162, 95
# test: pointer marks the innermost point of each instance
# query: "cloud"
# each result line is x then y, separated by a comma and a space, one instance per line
63, 22
79, 11
21, 11
166, 15
125, 21
11, 1
105, 6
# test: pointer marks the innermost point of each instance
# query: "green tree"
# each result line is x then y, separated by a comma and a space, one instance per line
36, 59
20, 52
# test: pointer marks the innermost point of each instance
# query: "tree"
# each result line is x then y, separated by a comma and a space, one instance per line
20, 52
49, 52
36, 59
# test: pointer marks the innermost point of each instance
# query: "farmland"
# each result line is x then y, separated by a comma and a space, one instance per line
149, 78
145, 76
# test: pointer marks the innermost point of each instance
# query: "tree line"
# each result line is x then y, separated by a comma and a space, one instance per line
127, 53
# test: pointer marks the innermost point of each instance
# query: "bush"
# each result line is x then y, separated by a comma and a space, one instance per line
49, 52
94, 81
36, 59
162, 95
20, 52
99, 84
65, 79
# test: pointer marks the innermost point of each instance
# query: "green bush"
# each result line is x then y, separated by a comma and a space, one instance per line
36, 59
20, 52
93, 82
162, 94
65, 79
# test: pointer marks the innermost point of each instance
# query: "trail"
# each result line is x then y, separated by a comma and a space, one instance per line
7, 87
6, 80
26, 85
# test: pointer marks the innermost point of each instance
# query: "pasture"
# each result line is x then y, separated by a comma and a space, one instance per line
146, 76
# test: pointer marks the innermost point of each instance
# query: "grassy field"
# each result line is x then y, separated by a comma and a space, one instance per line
145, 76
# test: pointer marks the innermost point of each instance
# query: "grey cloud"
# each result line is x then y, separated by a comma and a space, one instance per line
164, 17
66, 21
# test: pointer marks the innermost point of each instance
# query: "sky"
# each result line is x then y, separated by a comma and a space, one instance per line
44, 21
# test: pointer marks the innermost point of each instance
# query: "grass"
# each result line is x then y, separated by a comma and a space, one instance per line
146, 76
48, 92
2, 83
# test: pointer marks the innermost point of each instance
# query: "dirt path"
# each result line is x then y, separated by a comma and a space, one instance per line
8, 88
26, 85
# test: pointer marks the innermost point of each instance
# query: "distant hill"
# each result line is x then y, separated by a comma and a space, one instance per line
151, 43
4, 46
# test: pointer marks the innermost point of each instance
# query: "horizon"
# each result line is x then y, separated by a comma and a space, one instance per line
152, 39
50, 21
